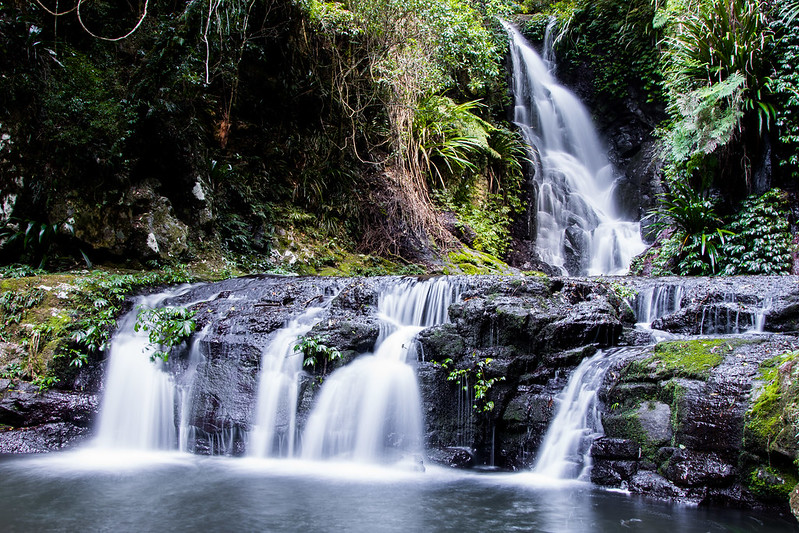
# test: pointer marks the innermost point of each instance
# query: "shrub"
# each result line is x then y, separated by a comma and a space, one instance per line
761, 242
698, 229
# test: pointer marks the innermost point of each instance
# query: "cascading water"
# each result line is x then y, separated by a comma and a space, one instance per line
138, 409
657, 301
185, 390
275, 428
731, 316
578, 228
564, 452
370, 410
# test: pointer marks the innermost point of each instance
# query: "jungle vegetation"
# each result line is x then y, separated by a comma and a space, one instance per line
340, 132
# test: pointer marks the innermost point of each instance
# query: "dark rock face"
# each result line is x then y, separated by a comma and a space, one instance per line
534, 332
142, 224
33, 422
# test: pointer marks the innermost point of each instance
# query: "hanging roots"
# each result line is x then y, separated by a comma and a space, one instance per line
76, 8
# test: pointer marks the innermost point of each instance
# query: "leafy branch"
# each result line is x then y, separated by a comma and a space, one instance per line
166, 327
314, 350
481, 383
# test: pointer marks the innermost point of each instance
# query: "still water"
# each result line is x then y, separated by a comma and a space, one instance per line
97, 491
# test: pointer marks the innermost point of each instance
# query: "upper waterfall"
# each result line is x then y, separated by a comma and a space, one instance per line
578, 228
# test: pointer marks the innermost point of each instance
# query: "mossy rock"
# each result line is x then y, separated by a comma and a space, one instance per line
472, 262
693, 359
650, 424
441, 343
770, 483
771, 422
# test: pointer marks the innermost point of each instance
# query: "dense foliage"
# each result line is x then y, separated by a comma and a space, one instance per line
761, 237
243, 117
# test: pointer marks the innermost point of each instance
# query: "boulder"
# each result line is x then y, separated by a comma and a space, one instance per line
691, 469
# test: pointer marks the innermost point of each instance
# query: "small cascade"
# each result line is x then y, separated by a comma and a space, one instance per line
370, 410
730, 316
138, 407
564, 452
466, 422
760, 315
578, 228
275, 429
549, 45
657, 301
185, 391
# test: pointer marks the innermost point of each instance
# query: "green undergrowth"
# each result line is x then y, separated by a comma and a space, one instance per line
693, 359
53, 324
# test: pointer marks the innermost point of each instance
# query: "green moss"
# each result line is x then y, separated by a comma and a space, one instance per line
772, 415
673, 393
535, 274
769, 483
689, 359
625, 424
472, 262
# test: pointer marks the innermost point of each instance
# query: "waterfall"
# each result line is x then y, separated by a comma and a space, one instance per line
138, 406
564, 452
370, 410
730, 317
275, 426
578, 228
657, 301
185, 390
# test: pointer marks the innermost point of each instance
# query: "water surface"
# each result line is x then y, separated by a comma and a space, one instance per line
97, 491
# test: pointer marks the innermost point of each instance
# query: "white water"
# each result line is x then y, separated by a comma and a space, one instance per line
656, 302
564, 452
275, 429
730, 317
578, 228
370, 410
138, 407
185, 390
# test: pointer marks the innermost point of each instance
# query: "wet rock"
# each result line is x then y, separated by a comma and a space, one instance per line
34, 422
42, 439
794, 500
656, 486
613, 473
655, 420
26, 407
461, 458
691, 469
226, 386
441, 343
609, 448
